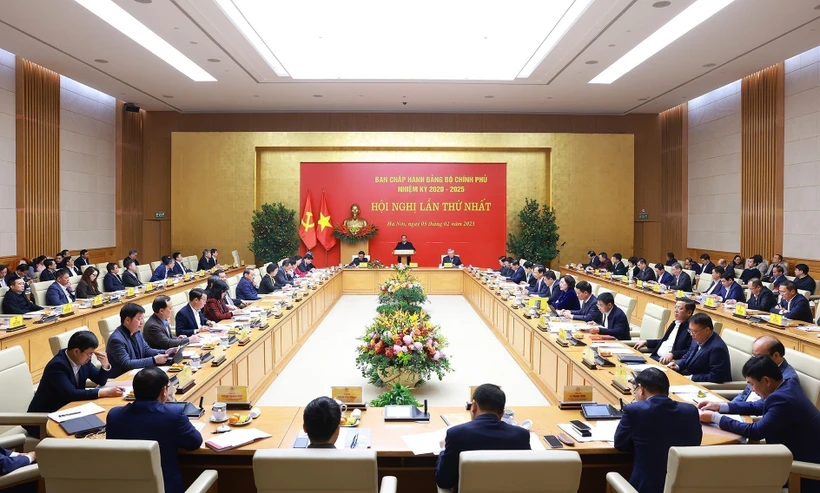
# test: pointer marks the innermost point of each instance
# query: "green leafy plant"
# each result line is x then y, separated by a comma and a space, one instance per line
401, 292
275, 236
399, 395
537, 238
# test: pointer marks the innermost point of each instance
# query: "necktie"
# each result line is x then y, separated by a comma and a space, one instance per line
604, 321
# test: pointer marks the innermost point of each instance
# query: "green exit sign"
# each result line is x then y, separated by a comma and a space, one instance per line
642, 215
159, 215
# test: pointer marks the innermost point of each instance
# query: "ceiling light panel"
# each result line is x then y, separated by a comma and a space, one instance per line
422, 40
681, 24
148, 39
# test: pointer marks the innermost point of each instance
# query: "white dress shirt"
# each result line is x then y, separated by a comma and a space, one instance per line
666, 347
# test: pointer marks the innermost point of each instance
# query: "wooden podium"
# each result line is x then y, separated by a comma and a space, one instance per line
404, 253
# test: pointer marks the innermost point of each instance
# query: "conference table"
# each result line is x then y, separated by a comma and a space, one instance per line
548, 364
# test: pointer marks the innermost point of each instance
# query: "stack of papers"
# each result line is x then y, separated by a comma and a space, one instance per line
602, 431
426, 443
808, 328
235, 438
76, 412
640, 368
690, 393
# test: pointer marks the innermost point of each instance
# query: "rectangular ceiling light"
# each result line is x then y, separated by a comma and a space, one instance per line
567, 21
136, 30
682, 23
252, 36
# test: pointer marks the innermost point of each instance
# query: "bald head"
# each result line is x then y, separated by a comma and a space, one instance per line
769, 346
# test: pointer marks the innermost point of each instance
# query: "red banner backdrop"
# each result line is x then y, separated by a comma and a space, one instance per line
437, 205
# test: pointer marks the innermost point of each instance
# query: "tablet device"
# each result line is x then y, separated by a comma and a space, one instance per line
404, 413
83, 426
600, 411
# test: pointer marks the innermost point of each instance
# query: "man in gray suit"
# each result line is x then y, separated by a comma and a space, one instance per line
157, 330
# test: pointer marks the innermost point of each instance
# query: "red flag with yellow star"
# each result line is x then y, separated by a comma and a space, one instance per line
325, 233
307, 228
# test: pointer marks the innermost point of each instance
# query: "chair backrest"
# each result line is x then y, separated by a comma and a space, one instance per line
123, 465
738, 273
144, 273
235, 255
38, 290
655, 318
750, 469
718, 327
290, 470
691, 275
513, 471
60, 341
193, 262
74, 280
155, 264
740, 351
84, 267
15, 380
704, 282
122, 264
102, 267
596, 288
1, 302
107, 326
805, 292
667, 268
808, 369
626, 304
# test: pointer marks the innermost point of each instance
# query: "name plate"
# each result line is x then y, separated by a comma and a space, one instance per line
710, 302
363, 264
640, 283
242, 262
448, 264
589, 355
740, 309
621, 378
201, 274
170, 281
348, 395
244, 334
232, 394
656, 288
263, 319
185, 376
149, 287
776, 318
15, 321
187, 276
415, 264
541, 303
578, 393
679, 294
562, 335
129, 292
213, 269
67, 308
98, 300
218, 351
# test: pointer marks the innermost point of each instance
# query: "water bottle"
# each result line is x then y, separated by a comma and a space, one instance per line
509, 417
195, 362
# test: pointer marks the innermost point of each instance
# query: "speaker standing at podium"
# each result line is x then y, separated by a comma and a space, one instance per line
404, 245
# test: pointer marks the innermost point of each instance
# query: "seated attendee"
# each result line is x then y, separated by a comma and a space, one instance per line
650, 425
130, 279
245, 290
501, 262
189, 319
451, 258
82, 259
64, 378
614, 321
20, 272
761, 298
706, 264
234, 305
295, 261
214, 260
778, 276
793, 305
205, 261
179, 268
506, 269
72, 269
50, 271
633, 271
670, 259
518, 275
58, 260
60, 292
771, 347
733, 290
716, 288
306, 264
157, 329
681, 280
126, 347
594, 261
37, 266
4, 272
777, 259
788, 416
132, 254
360, 259
554, 286
321, 421
15, 301
618, 266
752, 270
112, 280
589, 311
164, 269
736, 263
268, 285
485, 431
646, 272
761, 263
541, 288
148, 418
707, 359
690, 264
87, 287
676, 340
215, 307
282, 278
802, 279
567, 299
604, 262
529, 276
662, 276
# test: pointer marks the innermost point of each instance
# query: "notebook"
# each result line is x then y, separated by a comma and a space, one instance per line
236, 438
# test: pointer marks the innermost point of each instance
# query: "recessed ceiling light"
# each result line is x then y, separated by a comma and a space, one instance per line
193, 42
100, 60
214, 60
318, 96
125, 23
681, 24
709, 65
256, 95
549, 97
489, 97
611, 46
252, 36
591, 62
143, 1
660, 5
167, 96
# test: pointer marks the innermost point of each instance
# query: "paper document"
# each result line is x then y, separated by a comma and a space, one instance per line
235, 438
198, 425
535, 442
76, 412
569, 327
710, 397
808, 328
621, 350
640, 368
684, 389
426, 443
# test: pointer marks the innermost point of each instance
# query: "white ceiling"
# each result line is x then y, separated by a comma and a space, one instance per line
746, 36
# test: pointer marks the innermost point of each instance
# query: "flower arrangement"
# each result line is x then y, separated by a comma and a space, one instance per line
401, 292
354, 235
402, 342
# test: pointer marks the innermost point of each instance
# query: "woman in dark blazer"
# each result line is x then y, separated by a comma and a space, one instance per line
215, 308
87, 287
568, 299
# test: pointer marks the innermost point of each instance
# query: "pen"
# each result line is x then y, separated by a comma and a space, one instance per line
355, 440
68, 414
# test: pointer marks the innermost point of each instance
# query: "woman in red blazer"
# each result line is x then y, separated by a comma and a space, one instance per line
215, 308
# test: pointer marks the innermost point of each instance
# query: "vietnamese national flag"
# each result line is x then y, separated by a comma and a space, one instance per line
325, 233
307, 228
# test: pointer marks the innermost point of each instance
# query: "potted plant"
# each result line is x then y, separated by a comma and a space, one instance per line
401, 292
275, 233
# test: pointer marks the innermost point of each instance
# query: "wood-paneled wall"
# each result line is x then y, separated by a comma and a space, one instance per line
129, 180
38, 158
762, 117
673, 181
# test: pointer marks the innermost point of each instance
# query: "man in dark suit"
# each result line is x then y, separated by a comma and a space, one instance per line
20, 272
112, 280
486, 431
681, 279
594, 261
632, 269
771, 347
614, 320
282, 278
127, 349
179, 268
646, 272
518, 274
267, 285
619, 268
778, 276
707, 264
50, 272
589, 311
676, 341
529, 275
129, 277
132, 254
752, 270
82, 259
733, 290
761, 298
662, 276
15, 301
802, 279
506, 270
604, 262
404, 245
553, 285
148, 418
670, 259
788, 416
61, 258
451, 258
11, 461
321, 421
245, 290
707, 359
189, 319
361, 259
205, 261
716, 288
540, 289
164, 269
59, 292
65, 375
793, 305
157, 329
651, 425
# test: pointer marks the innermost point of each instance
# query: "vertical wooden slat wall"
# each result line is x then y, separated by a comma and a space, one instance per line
674, 180
762, 112
129, 180
38, 159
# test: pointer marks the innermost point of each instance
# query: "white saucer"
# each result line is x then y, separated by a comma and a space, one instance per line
218, 421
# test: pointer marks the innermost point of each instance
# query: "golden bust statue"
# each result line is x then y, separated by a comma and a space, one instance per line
355, 223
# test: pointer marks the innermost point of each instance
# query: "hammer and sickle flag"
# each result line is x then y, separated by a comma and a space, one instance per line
307, 228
